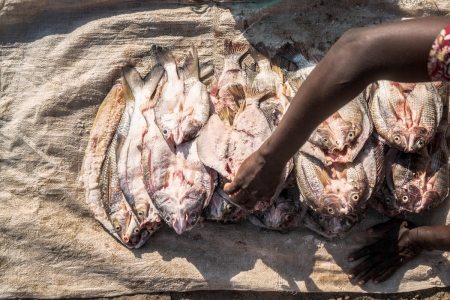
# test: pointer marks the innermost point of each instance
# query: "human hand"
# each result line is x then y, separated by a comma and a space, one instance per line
392, 251
256, 180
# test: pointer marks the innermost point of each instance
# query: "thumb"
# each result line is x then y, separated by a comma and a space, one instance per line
232, 187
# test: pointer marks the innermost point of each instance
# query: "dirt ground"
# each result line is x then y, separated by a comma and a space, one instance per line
429, 294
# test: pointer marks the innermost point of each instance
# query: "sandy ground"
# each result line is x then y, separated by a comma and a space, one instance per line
429, 294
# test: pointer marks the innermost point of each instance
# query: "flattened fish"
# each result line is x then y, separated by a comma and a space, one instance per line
417, 181
179, 184
129, 163
341, 137
224, 148
183, 107
99, 172
340, 190
406, 116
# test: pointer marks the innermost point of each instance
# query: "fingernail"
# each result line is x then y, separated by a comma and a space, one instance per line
351, 276
351, 259
369, 230
361, 282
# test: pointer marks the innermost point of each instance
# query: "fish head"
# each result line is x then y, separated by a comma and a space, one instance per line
142, 208
181, 213
128, 229
283, 215
169, 127
398, 139
189, 129
330, 226
323, 138
417, 142
332, 205
349, 132
409, 196
430, 200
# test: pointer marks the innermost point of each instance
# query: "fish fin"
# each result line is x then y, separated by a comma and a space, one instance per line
205, 70
191, 68
131, 82
276, 67
237, 91
294, 51
235, 49
259, 52
253, 93
164, 56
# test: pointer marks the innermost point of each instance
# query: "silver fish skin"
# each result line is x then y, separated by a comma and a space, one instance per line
129, 163
220, 208
179, 184
184, 104
341, 190
126, 226
418, 181
406, 115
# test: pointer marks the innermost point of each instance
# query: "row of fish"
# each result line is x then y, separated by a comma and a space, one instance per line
162, 147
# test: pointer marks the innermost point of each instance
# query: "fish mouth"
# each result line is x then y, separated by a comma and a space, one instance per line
180, 224
337, 154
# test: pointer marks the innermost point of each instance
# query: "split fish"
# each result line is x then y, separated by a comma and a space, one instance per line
406, 116
341, 189
183, 107
129, 162
179, 184
418, 181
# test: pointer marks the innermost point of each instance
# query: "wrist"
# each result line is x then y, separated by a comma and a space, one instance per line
418, 237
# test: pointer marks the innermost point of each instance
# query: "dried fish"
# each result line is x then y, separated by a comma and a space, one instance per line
220, 208
183, 107
129, 161
406, 116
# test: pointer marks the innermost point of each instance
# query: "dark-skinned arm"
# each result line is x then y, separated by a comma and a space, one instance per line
402, 242
394, 51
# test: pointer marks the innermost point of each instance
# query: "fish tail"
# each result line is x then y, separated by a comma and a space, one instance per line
296, 53
131, 82
235, 49
255, 94
205, 70
191, 68
259, 52
163, 56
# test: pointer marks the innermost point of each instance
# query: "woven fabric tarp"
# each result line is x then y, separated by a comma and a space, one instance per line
58, 60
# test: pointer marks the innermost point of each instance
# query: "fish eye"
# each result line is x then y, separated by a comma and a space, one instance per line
388, 201
355, 197
136, 230
193, 215
287, 217
229, 207
330, 210
167, 218
141, 213
405, 199
325, 140
321, 218
118, 228
429, 207
397, 139
420, 143
351, 135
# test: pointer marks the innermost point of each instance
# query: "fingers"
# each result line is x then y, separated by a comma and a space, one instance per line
386, 274
232, 187
384, 227
377, 267
365, 266
244, 199
368, 250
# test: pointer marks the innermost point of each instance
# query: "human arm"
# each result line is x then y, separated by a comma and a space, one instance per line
402, 242
394, 51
